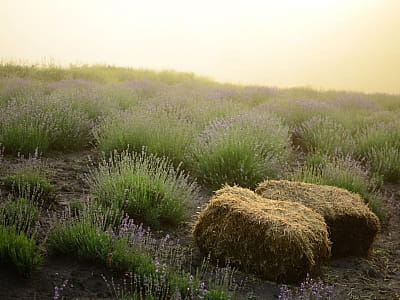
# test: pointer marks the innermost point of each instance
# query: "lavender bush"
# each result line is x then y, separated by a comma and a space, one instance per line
155, 267
324, 136
19, 250
30, 180
43, 125
243, 150
20, 214
146, 187
161, 133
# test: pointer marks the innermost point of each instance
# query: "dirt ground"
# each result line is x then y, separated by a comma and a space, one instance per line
375, 277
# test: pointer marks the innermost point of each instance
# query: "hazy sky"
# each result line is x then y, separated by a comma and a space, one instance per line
339, 44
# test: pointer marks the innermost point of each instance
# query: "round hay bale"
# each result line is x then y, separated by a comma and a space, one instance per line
352, 225
277, 240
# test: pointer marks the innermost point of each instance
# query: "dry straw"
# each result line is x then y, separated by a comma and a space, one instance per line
352, 225
280, 241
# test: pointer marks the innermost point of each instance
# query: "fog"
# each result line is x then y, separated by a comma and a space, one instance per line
325, 44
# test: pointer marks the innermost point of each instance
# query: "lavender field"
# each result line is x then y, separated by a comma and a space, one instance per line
103, 171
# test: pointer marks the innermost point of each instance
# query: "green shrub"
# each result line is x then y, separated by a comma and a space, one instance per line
296, 111
343, 172
85, 240
29, 183
19, 251
242, 150
377, 135
161, 134
156, 267
325, 136
379, 143
15, 89
84, 96
385, 161
43, 125
146, 187
20, 214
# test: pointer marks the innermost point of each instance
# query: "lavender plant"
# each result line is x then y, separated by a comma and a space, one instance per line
18, 89
171, 278
324, 136
20, 214
377, 134
43, 124
58, 290
385, 161
29, 182
243, 150
310, 289
84, 237
146, 187
155, 267
343, 172
295, 111
85, 97
379, 144
18, 250
162, 134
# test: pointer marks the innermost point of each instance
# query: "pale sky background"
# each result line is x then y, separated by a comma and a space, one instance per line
336, 44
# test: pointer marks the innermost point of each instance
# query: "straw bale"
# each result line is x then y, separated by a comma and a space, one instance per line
352, 225
277, 240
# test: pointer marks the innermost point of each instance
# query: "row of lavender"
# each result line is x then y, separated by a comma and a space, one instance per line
221, 133
160, 136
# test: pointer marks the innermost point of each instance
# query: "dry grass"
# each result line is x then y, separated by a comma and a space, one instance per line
280, 241
352, 225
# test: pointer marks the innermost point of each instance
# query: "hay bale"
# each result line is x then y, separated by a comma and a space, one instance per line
352, 225
277, 240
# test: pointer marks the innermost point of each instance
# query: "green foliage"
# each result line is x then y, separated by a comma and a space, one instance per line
20, 214
378, 136
159, 133
100, 73
146, 187
19, 251
84, 239
325, 136
296, 111
43, 125
29, 183
343, 172
385, 161
379, 143
242, 150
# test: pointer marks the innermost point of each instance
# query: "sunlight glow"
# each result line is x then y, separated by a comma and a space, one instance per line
353, 44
